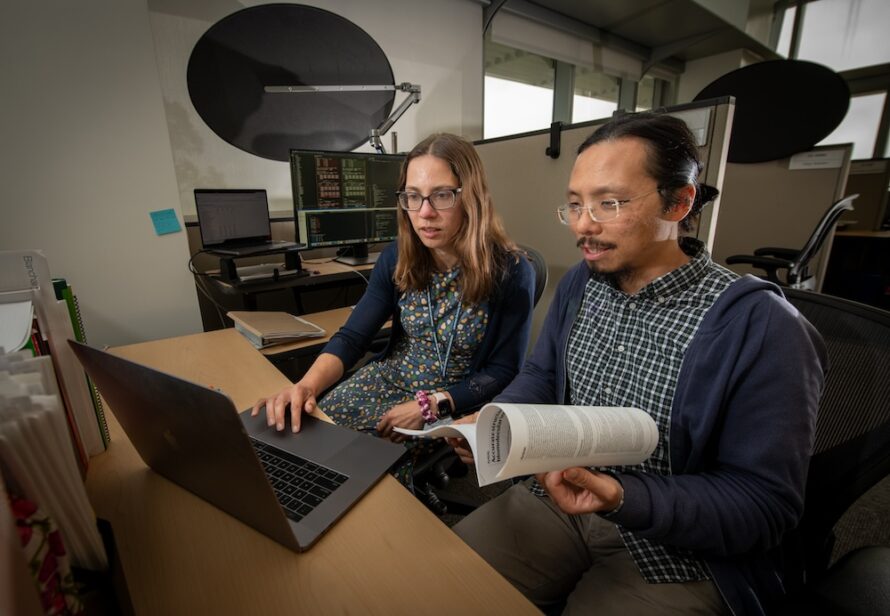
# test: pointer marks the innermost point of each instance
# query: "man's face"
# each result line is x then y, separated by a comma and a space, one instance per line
641, 243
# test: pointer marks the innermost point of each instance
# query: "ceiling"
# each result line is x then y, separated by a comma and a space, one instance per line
681, 30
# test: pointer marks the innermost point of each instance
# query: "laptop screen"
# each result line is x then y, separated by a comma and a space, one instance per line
231, 217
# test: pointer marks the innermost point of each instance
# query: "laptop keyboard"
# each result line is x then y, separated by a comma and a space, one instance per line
299, 485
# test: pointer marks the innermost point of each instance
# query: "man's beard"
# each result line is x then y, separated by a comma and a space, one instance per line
614, 276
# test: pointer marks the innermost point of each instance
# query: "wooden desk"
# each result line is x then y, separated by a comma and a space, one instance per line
293, 358
181, 555
872, 234
330, 321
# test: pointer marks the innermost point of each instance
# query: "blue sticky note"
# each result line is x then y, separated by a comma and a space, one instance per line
165, 221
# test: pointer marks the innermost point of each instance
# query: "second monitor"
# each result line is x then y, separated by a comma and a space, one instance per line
345, 199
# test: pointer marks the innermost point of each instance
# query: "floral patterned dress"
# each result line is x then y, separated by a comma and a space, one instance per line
415, 363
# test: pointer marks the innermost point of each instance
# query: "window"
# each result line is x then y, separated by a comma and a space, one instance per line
860, 126
558, 77
845, 34
518, 91
648, 96
595, 95
784, 45
848, 36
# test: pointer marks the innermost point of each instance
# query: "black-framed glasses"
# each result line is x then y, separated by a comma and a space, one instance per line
599, 211
441, 199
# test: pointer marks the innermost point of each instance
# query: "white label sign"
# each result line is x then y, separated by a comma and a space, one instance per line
819, 159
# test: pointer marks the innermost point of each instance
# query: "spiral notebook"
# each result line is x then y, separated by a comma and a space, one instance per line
264, 329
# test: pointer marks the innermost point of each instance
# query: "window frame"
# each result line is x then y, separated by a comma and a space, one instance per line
866, 80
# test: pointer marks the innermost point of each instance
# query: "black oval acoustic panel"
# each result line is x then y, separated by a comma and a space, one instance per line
782, 107
288, 45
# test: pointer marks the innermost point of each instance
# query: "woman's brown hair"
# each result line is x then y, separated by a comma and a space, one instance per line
481, 242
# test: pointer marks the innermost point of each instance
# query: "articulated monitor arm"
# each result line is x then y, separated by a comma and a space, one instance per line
413, 91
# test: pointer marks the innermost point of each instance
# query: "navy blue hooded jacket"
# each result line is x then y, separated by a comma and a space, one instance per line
741, 433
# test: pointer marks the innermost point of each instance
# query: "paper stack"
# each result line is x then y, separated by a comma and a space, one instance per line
25, 281
37, 458
265, 329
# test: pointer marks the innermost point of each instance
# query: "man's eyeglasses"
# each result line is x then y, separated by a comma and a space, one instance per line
441, 199
599, 211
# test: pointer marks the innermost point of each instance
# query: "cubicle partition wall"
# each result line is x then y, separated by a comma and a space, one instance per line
779, 203
527, 185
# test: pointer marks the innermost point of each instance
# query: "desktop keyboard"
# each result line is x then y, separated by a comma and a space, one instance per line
299, 485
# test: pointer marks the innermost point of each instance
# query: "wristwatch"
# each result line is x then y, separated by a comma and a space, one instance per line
443, 405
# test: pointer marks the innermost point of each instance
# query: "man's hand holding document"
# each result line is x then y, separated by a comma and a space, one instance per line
511, 440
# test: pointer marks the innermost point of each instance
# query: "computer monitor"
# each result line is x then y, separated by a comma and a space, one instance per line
345, 199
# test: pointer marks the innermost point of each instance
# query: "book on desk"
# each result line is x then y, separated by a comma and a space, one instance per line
264, 329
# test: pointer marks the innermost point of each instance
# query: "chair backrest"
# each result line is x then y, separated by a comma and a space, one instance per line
815, 241
540, 266
852, 448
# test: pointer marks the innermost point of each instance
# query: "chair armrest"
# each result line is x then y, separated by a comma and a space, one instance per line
761, 262
768, 264
781, 253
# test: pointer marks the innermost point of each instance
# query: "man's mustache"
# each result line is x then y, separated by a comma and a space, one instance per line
592, 244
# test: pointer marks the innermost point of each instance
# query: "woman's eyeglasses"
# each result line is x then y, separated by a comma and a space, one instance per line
441, 199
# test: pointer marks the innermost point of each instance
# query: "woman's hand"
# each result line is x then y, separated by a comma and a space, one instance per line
580, 490
461, 447
405, 415
299, 396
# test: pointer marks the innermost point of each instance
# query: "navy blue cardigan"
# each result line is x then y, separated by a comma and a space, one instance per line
499, 355
741, 433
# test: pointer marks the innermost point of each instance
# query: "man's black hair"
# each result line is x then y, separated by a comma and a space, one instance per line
673, 155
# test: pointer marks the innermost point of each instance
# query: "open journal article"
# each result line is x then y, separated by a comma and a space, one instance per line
513, 440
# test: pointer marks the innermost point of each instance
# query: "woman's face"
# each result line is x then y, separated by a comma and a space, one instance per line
437, 229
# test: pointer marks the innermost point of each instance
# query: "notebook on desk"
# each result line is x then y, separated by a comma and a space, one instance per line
236, 222
290, 487
264, 329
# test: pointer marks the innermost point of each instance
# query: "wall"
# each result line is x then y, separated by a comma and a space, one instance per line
98, 131
699, 73
86, 157
437, 45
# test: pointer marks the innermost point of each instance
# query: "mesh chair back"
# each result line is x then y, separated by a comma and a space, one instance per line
852, 448
820, 233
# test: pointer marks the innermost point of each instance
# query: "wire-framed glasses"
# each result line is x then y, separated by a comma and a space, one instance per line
599, 211
441, 199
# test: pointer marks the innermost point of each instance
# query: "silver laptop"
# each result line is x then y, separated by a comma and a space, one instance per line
290, 487
235, 222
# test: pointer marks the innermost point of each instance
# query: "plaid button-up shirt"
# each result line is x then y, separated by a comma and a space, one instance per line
627, 350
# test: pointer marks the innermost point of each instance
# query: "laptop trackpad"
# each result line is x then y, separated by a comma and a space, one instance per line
317, 440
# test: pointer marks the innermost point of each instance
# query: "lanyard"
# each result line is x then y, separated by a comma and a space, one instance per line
443, 366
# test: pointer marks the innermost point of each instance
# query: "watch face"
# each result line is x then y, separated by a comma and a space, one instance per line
444, 406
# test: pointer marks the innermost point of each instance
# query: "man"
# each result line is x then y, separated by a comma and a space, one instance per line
729, 371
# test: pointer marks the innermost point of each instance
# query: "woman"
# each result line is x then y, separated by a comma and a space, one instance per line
460, 298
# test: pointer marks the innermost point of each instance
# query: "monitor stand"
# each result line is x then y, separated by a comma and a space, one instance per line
293, 267
359, 256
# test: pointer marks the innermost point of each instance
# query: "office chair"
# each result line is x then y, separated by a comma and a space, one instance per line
433, 472
794, 262
542, 274
851, 454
